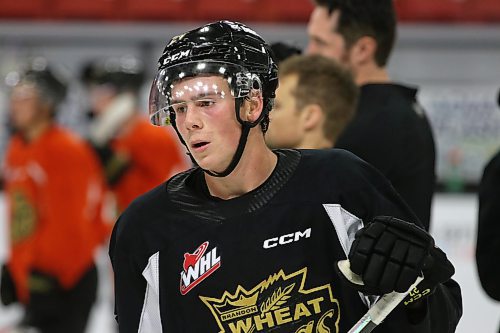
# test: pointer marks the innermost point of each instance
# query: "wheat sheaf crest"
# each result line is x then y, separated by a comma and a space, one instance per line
277, 299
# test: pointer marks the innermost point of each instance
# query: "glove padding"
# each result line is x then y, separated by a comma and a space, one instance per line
390, 253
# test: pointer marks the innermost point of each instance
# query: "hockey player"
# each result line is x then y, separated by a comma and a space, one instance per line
54, 192
128, 146
248, 241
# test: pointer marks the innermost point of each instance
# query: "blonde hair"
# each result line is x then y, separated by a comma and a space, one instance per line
323, 82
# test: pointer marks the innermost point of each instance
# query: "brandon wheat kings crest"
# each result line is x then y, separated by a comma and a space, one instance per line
279, 303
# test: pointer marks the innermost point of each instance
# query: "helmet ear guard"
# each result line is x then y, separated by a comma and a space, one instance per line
254, 92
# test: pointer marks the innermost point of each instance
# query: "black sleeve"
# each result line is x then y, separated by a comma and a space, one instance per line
488, 231
441, 315
444, 310
130, 286
369, 194
373, 196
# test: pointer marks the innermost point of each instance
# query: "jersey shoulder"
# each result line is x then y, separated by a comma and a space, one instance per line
333, 160
336, 169
147, 204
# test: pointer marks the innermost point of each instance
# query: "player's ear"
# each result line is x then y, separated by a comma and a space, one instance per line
253, 107
363, 50
311, 116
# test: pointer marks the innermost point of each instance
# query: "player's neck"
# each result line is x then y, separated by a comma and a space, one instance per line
254, 168
34, 132
370, 73
315, 140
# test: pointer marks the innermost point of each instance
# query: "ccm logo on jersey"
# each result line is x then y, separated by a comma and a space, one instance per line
286, 239
198, 266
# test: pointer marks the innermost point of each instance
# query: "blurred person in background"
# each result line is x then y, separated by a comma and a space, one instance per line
54, 190
135, 155
315, 99
488, 231
390, 129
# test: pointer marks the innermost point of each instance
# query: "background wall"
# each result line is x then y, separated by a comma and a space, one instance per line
456, 66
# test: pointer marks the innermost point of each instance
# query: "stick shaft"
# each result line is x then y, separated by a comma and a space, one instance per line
381, 309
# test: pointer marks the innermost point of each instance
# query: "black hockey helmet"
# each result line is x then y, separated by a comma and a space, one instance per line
52, 87
124, 73
224, 48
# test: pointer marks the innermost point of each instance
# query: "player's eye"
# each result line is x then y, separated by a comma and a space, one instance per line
205, 102
179, 108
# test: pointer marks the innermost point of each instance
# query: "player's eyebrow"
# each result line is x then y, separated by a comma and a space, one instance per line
196, 97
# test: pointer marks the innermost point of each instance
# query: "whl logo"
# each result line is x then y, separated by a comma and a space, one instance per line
198, 266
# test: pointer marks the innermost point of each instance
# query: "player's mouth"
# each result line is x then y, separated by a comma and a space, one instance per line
199, 146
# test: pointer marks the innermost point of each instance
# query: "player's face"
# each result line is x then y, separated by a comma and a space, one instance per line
100, 97
206, 120
25, 107
323, 38
285, 129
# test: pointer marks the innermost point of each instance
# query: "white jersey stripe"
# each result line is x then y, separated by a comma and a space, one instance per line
150, 317
346, 225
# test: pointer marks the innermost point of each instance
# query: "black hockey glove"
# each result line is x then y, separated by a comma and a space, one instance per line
7, 288
390, 253
114, 164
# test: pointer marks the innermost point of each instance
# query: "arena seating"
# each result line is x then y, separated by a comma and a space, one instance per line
276, 11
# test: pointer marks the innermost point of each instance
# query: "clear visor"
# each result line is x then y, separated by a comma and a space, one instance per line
199, 83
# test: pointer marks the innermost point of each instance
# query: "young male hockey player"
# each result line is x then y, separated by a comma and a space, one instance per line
248, 241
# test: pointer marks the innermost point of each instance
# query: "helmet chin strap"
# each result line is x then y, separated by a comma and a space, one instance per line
245, 130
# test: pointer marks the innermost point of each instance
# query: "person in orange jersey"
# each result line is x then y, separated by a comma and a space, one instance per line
54, 191
135, 155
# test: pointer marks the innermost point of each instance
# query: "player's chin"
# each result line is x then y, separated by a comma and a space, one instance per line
212, 164
204, 161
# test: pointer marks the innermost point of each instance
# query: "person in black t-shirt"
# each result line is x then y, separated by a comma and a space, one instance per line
488, 230
487, 245
249, 239
390, 129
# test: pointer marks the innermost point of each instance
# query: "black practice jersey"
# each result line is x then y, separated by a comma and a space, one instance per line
391, 132
185, 261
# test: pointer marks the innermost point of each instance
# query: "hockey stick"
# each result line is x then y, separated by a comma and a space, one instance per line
381, 309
